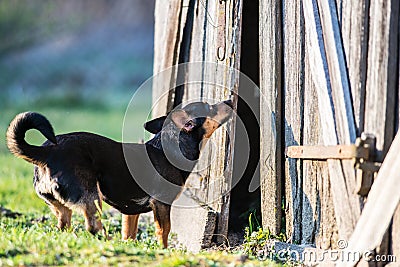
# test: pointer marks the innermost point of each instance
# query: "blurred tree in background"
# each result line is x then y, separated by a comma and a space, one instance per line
19, 24
56, 52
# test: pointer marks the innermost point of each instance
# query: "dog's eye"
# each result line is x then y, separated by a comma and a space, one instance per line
189, 124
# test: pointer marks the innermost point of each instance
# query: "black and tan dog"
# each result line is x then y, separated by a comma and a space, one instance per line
74, 171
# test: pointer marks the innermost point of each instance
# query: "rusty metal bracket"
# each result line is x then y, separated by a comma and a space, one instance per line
363, 152
366, 168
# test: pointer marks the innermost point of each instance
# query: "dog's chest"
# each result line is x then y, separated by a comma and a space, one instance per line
130, 206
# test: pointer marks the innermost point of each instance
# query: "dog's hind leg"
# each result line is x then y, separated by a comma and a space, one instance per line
162, 220
129, 226
62, 213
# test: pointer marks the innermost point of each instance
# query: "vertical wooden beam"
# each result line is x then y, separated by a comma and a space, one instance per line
226, 75
271, 113
293, 83
318, 223
327, 228
199, 37
209, 187
166, 42
335, 121
184, 54
338, 77
354, 29
381, 74
312, 132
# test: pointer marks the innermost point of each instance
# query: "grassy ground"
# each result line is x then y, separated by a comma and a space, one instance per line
32, 239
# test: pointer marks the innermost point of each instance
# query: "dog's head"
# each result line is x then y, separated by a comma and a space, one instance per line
199, 117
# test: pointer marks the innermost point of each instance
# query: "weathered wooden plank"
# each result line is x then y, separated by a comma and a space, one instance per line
293, 74
193, 91
347, 206
318, 222
311, 136
338, 77
271, 114
166, 40
354, 28
226, 139
375, 220
340, 11
210, 181
184, 54
381, 78
327, 234
185, 209
310, 205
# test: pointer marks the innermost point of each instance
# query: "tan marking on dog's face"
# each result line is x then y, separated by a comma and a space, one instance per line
209, 127
212, 123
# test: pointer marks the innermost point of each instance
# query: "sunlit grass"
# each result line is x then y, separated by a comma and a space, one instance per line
16, 188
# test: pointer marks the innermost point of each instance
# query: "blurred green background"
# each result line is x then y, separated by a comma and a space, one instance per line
78, 62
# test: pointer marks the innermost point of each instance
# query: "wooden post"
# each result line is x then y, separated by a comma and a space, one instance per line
206, 32
381, 79
293, 85
167, 35
311, 171
271, 114
354, 28
338, 77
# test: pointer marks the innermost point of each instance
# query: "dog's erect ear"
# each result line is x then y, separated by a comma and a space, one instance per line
155, 126
182, 121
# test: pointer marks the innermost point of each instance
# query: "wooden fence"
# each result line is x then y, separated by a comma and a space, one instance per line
328, 72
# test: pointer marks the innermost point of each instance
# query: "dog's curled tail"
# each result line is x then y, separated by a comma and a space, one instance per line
16, 136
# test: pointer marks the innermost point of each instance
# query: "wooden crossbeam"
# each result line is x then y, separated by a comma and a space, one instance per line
327, 152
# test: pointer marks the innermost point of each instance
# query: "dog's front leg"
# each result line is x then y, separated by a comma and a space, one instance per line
92, 222
162, 220
129, 226
62, 213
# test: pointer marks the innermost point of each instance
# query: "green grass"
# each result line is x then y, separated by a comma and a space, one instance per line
32, 238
